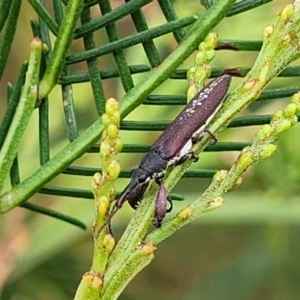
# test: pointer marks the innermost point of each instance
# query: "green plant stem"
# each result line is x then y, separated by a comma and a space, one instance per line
9, 34
4, 12
93, 69
12, 104
239, 45
245, 6
62, 44
190, 42
45, 173
141, 257
131, 100
54, 214
162, 125
119, 55
23, 112
170, 14
44, 15
132, 40
113, 16
87, 289
67, 192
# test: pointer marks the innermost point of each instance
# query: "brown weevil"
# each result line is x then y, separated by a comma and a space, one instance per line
174, 147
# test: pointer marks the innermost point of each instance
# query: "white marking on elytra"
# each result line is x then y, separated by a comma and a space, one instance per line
201, 97
183, 152
197, 135
187, 148
200, 132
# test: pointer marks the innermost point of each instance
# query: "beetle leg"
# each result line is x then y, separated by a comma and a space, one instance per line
160, 206
213, 137
107, 223
193, 155
171, 205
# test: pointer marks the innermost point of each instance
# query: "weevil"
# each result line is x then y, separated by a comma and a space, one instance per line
174, 147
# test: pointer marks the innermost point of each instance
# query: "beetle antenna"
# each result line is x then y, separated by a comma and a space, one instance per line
108, 221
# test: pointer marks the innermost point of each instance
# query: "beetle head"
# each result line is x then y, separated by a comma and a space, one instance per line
139, 177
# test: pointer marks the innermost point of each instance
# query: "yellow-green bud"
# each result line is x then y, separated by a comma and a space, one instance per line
238, 182
249, 84
268, 31
97, 180
264, 73
113, 169
235, 184
211, 40
111, 106
296, 100
105, 120
97, 282
283, 126
202, 47
267, 151
246, 158
200, 77
287, 13
220, 176
36, 44
115, 118
185, 213
87, 278
191, 74
191, 92
290, 110
263, 133
103, 205
92, 280
112, 193
277, 116
294, 120
105, 148
112, 131
287, 39
216, 203
211, 55
118, 144
148, 248
109, 242
200, 58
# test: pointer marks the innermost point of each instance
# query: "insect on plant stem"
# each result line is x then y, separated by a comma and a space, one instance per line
173, 147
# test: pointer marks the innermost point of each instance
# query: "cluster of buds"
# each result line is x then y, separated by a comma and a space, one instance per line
197, 74
110, 146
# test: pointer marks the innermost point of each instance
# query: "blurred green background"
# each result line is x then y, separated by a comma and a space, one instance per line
248, 249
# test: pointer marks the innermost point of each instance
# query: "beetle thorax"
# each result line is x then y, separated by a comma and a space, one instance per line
154, 164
